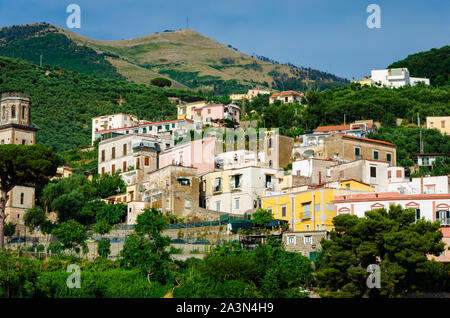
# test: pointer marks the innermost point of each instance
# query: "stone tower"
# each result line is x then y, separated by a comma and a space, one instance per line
15, 128
15, 125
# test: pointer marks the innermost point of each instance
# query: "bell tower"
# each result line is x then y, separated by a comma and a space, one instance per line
15, 123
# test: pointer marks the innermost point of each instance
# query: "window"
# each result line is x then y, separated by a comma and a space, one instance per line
217, 206
144, 130
283, 211
23, 142
124, 166
399, 173
3, 112
375, 155
150, 128
373, 172
103, 155
388, 157
167, 127
209, 111
417, 214
317, 207
113, 153
187, 203
291, 240
217, 185
443, 217
389, 174
23, 112
103, 171
124, 149
270, 142
113, 169
237, 181
159, 128
307, 227
443, 124
138, 163
13, 111
147, 161
270, 210
357, 153
330, 207
236, 204
307, 239
307, 210
22, 195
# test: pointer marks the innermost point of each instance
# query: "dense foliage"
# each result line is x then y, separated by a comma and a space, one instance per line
230, 271
55, 49
433, 64
393, 240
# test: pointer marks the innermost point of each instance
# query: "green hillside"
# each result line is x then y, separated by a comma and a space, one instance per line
188, 58
433, 64
64, 102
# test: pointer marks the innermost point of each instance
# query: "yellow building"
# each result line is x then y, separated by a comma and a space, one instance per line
187, 110
313, 209
441, 123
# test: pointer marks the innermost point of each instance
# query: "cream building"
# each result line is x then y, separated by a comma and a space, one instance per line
16, 128
238, 190
441, 123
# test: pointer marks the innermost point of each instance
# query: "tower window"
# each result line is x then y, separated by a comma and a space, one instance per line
22, 197
23, 112
13, 111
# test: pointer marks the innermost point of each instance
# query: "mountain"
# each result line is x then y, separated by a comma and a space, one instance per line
188, 58
433, 64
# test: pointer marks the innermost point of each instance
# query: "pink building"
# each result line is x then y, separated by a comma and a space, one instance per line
210, 112
198, 154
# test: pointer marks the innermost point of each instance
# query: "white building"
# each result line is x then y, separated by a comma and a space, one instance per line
395, 77
130, 152
112, 121
425, 185
432, 207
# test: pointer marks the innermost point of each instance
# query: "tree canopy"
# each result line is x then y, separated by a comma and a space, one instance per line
392, 239
23, 165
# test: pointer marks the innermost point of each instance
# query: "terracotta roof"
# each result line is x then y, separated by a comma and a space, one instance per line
368, 139
332, 128
287, 93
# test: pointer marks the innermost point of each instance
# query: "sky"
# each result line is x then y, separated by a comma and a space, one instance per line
329, 35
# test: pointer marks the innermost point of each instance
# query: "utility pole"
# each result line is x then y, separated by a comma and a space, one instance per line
420, 134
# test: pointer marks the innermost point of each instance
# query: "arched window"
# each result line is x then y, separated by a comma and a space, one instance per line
13, 111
